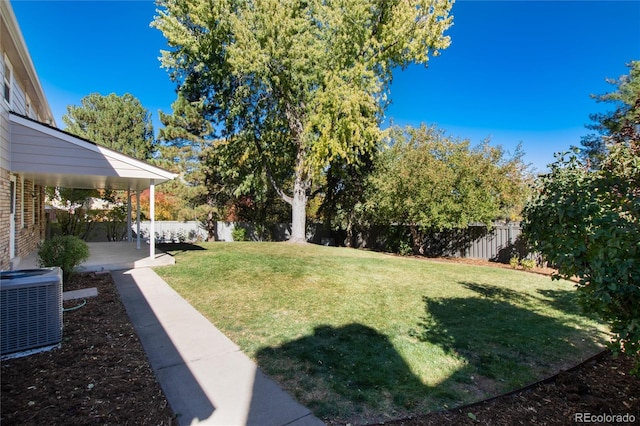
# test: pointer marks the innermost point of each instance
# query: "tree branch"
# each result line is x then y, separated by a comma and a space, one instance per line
288, 199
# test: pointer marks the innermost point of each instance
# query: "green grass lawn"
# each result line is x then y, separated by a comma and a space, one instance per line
359, 336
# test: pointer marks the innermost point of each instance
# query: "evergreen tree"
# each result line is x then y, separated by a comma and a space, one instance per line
620, 125
117, 122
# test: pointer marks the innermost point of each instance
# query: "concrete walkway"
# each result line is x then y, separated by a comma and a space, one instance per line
205, 376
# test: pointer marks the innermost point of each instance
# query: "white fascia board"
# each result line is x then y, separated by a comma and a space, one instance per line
81, 143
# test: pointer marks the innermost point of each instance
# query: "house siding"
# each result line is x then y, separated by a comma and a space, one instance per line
18, 99
4, 139
4, 123
29, 210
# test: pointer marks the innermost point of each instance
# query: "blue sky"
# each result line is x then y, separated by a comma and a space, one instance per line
516, 71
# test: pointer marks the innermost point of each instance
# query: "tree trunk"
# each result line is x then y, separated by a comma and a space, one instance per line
299, 211
417, 238
302, 181
348, 241
212, 227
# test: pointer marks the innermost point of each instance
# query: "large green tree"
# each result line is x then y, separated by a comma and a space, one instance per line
117, 122
429, 181
343, 196
189, 147
297, 85
217, 181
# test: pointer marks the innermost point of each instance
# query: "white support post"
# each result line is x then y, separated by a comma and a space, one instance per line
138, 219
152, 219
129, 232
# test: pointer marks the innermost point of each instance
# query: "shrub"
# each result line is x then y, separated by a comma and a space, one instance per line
585, 222
404, 249
514, 262
66, 251
116, 223
239, 234
528, 264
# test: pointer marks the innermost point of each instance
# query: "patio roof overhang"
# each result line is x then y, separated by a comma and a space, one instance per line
52, 157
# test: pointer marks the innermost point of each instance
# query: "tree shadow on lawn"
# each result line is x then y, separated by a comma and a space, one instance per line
176, 248
349, 374
560, 300
504, 343
353, 374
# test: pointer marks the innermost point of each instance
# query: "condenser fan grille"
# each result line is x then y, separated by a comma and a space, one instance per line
31, 312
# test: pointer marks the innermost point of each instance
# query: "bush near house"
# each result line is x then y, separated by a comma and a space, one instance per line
65, 251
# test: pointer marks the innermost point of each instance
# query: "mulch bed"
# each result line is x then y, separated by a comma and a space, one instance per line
600, 389
100, 375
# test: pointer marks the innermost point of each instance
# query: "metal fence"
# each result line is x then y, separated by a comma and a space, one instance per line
498, 244
476, 241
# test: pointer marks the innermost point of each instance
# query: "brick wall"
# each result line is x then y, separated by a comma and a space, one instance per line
29, 222
4, 218
29, 217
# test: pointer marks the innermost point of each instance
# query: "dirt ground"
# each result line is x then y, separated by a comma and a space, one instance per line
100, 375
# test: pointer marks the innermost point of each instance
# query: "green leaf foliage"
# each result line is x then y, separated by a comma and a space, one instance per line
64, 251
586, 223
296, 86
620, 125
74, 217
428, 180
585, 215
183, 148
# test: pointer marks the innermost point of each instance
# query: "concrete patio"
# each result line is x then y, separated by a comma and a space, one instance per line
112, 256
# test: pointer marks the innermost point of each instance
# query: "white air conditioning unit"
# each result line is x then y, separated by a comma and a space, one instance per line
30, 309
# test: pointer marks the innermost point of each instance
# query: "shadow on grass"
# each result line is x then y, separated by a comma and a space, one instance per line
176, 248
354, 374
561, 300
344, 372
565, 301
506, 344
